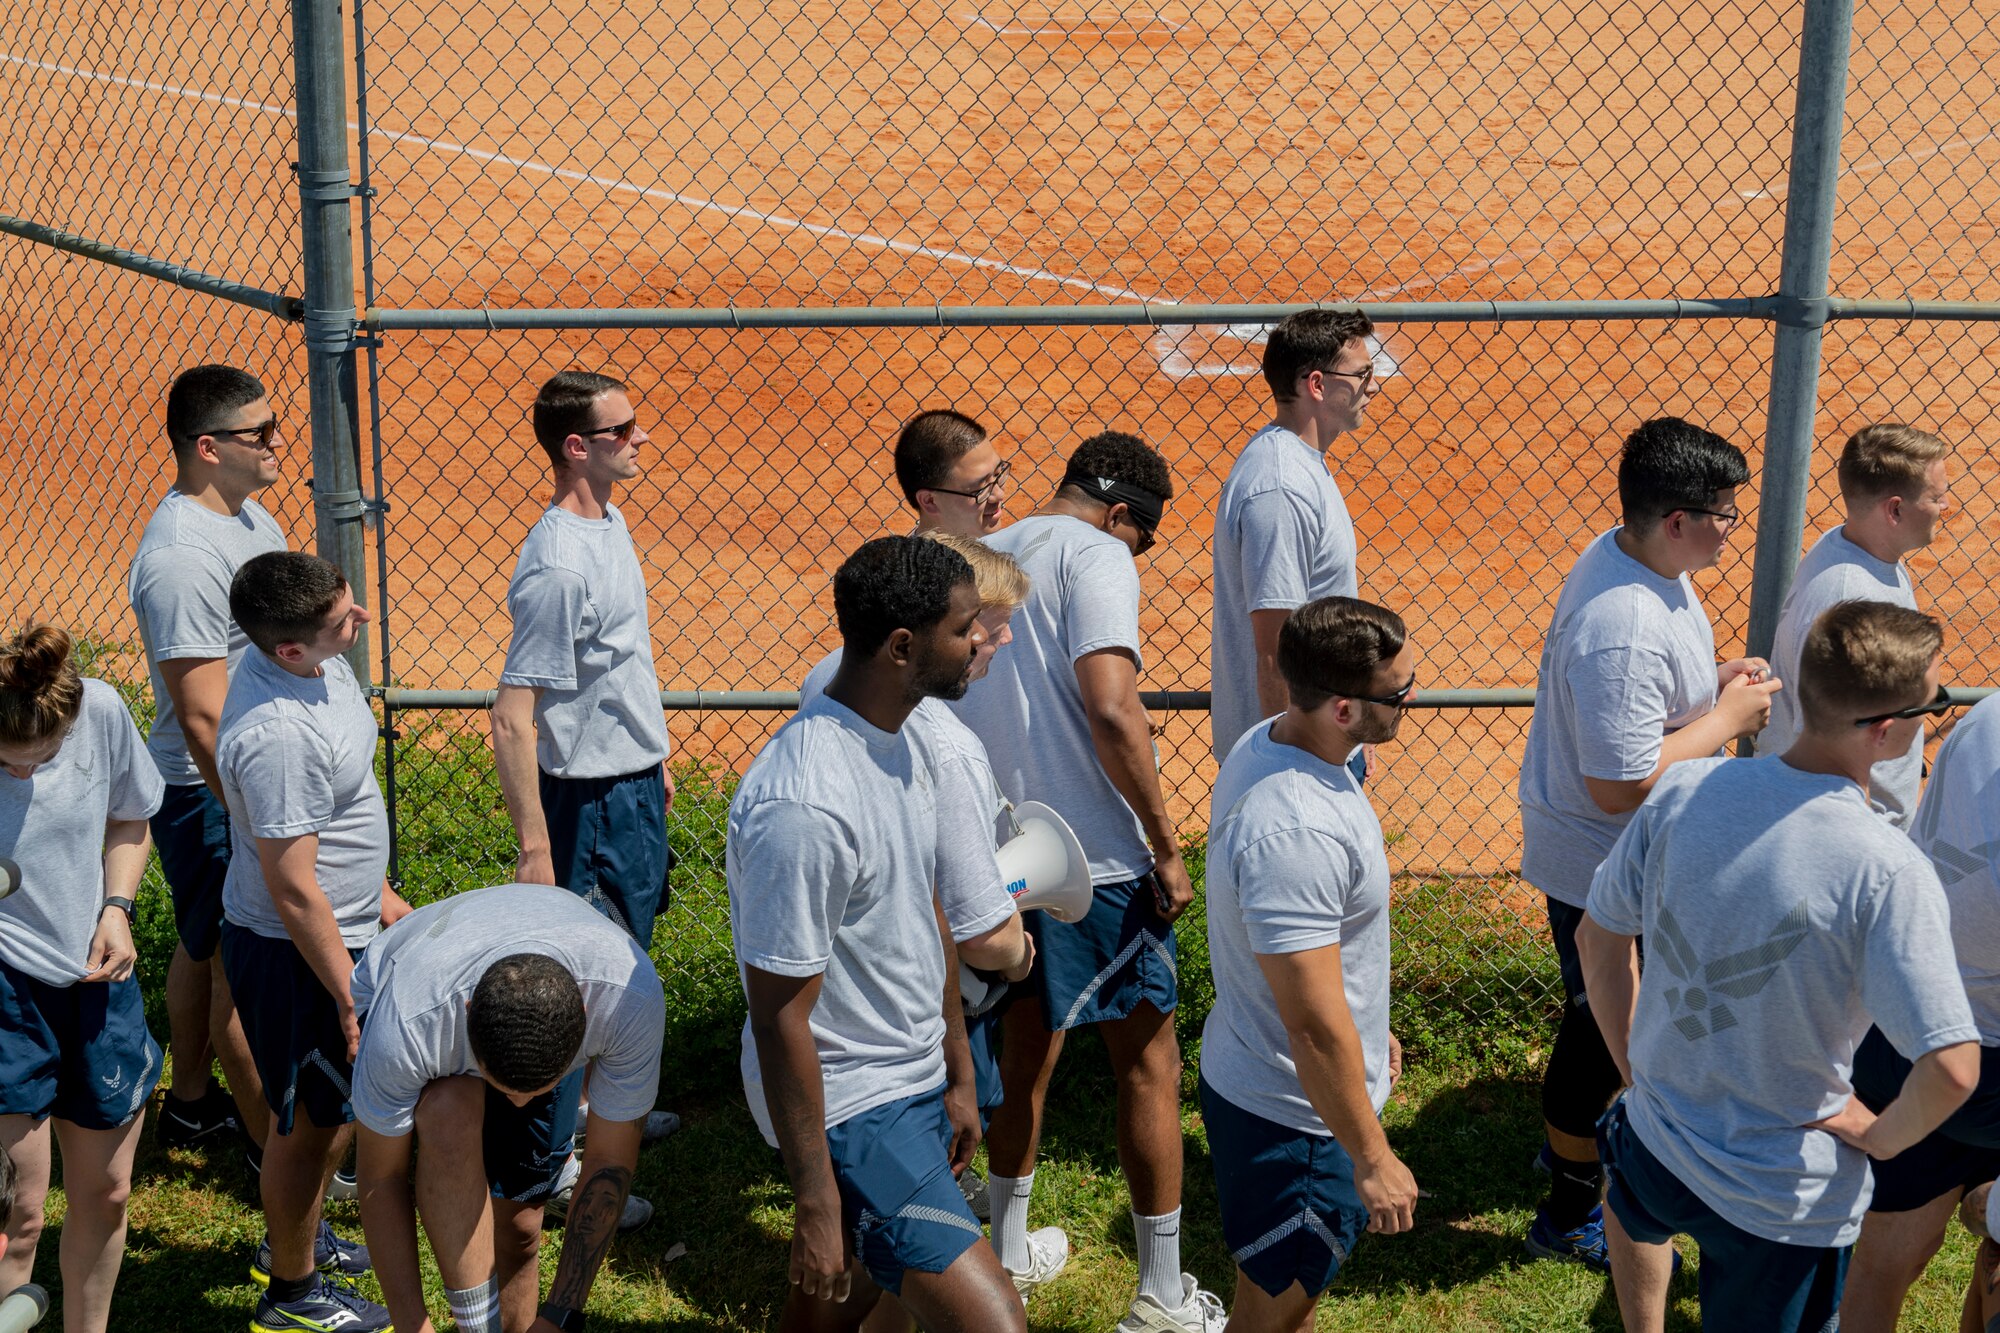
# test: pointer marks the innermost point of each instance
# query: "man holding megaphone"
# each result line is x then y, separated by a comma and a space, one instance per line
1062, 719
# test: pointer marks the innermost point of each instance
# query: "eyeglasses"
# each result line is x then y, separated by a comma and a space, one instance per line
1939, 702
1727, 519
622, 432
265, 431
1362, 378
984, 493
1147, 536
1400, 699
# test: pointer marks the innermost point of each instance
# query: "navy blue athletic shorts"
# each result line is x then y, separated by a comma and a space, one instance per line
1962, 1152
608, 840
191, 829
1290, 1212
898, 1197
292, 1027
1102, 968
81, 1053
525, 1146
1748, 1283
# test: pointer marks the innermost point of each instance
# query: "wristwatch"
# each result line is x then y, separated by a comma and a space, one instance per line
569, 1321
124, 905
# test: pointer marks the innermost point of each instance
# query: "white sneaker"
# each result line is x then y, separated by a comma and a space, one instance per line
1048, 1253
1200, 1312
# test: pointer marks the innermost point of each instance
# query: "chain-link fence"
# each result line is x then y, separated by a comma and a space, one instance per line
789, 226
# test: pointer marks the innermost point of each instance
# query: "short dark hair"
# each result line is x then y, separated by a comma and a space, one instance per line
200, 396
284, 597
1670, 464
525, 1022
563, 408
1332, 647
1861, 658
930, 445
893, 583
1116, 456
1309, 340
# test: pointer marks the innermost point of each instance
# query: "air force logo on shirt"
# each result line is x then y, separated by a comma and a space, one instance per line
1700, 1010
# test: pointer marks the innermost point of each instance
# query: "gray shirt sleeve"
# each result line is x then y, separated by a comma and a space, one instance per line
549, 609
1621, 709
1617, 900
1910, 983
1102, 610
389, 1075
968, 876
1277, 552
136, 786
625, 1076
283, 773
185, 605
798, 866
1292, 887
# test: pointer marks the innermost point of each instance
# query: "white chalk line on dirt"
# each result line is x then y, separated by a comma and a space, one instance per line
1167, 352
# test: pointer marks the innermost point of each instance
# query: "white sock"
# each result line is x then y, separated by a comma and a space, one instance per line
1160, 1257
476, 1309
1010, 1219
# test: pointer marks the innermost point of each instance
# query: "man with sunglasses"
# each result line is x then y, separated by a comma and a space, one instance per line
1895, 487
1282, 533
1780, 919
1957, 825
1628, 686
1297, 1058
579, 741
951, 474
226, 449
1062, 722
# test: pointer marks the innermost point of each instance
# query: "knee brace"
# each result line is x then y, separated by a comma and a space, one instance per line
1582, 1078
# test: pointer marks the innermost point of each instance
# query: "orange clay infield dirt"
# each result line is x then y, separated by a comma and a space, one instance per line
826, 154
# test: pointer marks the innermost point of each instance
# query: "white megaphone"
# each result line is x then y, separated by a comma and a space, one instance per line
1044, 866
1045, 869
23, 1309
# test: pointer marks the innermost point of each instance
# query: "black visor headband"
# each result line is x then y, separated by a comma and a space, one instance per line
1146, 507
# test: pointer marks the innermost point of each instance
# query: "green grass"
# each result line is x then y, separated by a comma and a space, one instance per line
1470, 1007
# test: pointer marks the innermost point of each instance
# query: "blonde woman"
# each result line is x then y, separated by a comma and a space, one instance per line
76, 790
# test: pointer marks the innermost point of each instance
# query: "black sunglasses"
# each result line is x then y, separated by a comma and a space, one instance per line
620, 432
1941, 701
263, 430
1397, 700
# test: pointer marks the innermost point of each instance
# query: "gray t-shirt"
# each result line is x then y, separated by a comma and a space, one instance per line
1834, 571
1957, 825
179, 587
297, 756
52, 826
583, 637
1295, 862
412, 985
1630, 658
1781, 918
1028, 711
831, 852
969, 883
1282, 538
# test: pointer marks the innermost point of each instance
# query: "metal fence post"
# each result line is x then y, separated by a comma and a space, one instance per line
1810, 206
326, 194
